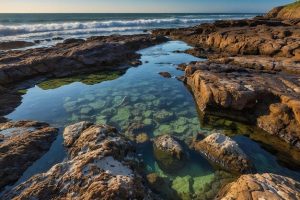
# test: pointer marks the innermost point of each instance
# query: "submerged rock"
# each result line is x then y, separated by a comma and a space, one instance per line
162, 186
261, 186
224, 152
169, 153
165, 74
22, 143
98, 167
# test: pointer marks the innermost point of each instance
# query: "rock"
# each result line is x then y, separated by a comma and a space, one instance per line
261, 186
22, 143
161, 185
182, 186
142, 138
74, 56
169, 153
98, 167
224, 152
248, 95
163, 116
72, 132
57, 38
165, 74
255, 37
15, 45
290, 11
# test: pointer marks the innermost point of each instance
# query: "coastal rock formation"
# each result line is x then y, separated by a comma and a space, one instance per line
290, 11
99, 166
224, 152
261, 186
22, 143
268, 99
169, 153
15, 45
74, 56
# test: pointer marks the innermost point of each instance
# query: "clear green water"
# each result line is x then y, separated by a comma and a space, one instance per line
141, 101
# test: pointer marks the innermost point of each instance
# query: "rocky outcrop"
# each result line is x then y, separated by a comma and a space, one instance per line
268, 99
22, 143
74, 56
287, 12
261, 186
169, 153
270, 40
15, 45
99, 166
224, 152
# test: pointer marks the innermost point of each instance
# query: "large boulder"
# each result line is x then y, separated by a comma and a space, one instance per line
224, 152
98, 167
169, 153
22, 143
261, 186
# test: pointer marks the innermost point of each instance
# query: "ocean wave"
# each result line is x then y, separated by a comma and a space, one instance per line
7, 30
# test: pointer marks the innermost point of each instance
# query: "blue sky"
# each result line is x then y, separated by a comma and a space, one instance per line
38, 6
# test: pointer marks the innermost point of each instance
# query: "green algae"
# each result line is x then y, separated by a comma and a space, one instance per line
87, 79
24, 91
183, 187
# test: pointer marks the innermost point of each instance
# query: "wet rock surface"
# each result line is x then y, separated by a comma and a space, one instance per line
74, 56
165, 74
22, 143
268, 99
224, 152
169, 153
98, 167
261, 186
15, 45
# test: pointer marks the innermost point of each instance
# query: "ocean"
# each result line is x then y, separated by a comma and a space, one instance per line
45, 27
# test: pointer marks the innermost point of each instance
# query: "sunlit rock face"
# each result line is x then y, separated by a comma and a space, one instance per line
99, 166
261, 186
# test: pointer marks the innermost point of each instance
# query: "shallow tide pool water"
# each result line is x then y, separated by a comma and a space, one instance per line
140, 102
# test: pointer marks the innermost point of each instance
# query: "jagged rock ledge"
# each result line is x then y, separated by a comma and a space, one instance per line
74, 56
261, 186
22, 143
268, 99
100, 165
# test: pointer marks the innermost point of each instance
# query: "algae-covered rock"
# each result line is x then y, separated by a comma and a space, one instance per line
99, 104
142, 138
162, 186
86, 110
148, 121
183, 187
163, 116
122, 115
169, 153
101, 119
70, 106
201, 183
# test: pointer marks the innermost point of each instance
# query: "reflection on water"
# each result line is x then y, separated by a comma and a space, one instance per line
141, 103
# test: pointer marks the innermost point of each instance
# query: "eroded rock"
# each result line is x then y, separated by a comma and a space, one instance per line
169, 153
224, 152
99, 166
22, 143
248, 95
261, 186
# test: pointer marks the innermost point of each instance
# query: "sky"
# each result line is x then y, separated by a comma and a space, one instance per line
137, 6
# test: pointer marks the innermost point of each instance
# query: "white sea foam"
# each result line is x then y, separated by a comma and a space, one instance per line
6, 30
